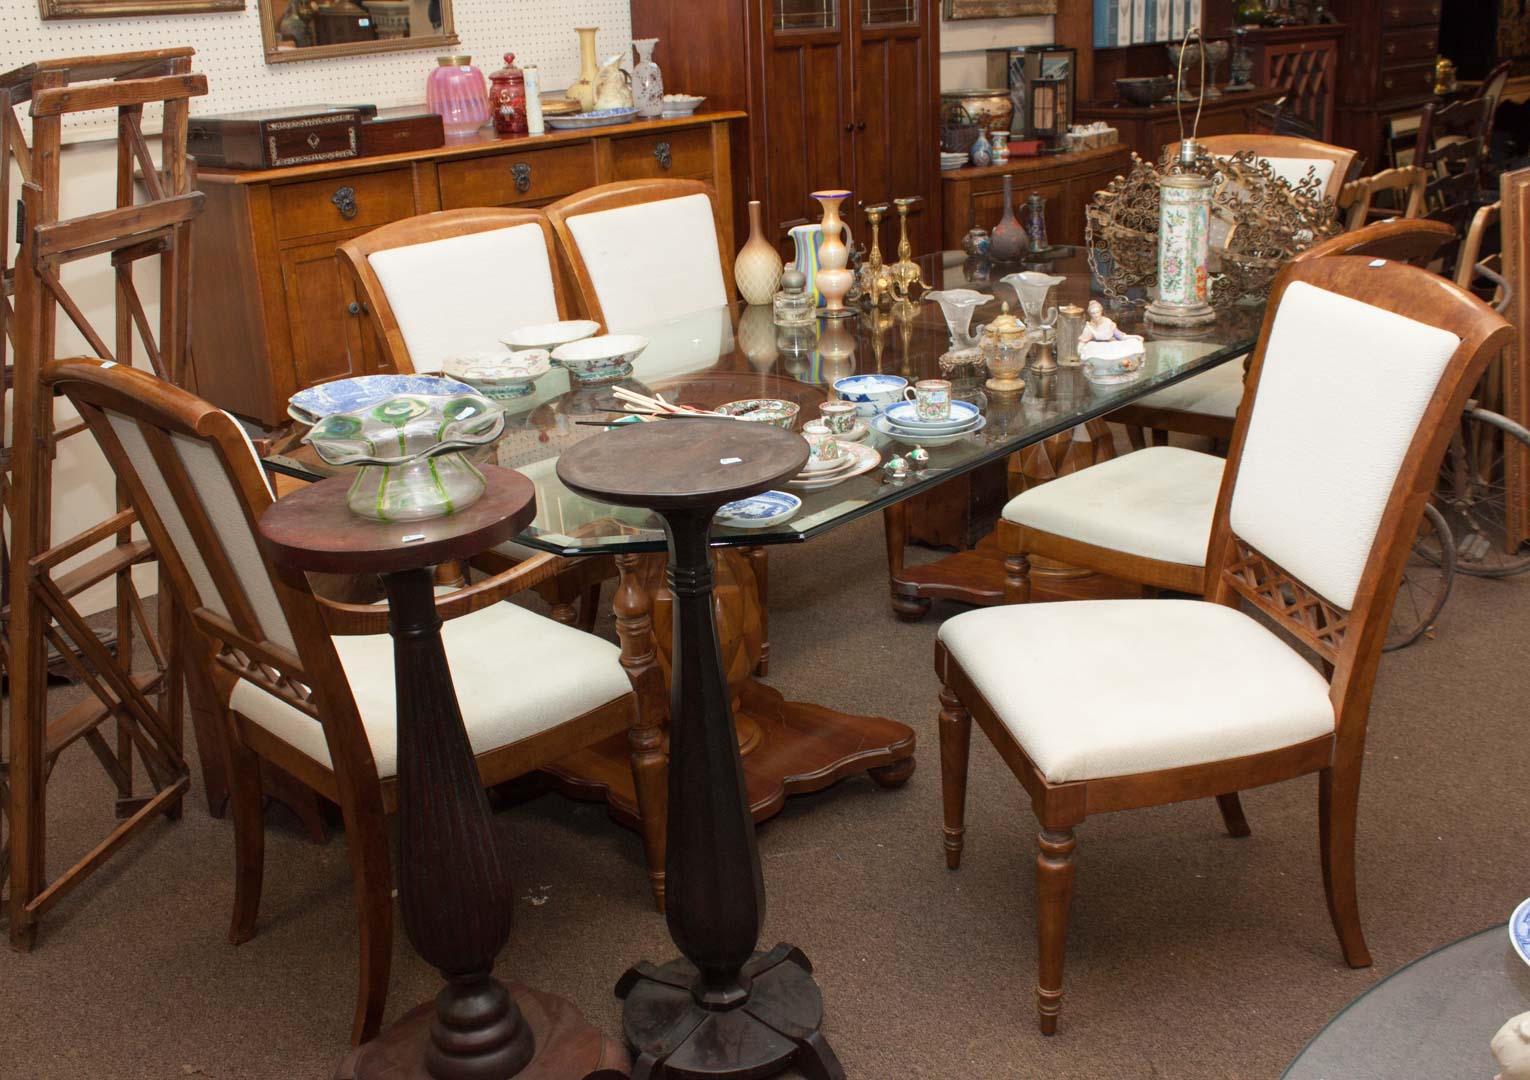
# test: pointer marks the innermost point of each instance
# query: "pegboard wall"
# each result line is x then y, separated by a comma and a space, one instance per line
230, 54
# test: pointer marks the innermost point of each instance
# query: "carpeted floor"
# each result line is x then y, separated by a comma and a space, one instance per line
1190, 954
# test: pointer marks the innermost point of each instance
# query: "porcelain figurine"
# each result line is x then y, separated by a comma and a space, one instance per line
1098, 327
1511, 1048
582, 89
613, 88
647, 80
919, 458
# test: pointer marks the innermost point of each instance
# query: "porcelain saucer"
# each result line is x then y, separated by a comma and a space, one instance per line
867, 458
1519, 930
819, 469
759, 511
855, 434
892, 431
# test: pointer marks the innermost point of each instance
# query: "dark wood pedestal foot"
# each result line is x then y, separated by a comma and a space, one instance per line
776, 1026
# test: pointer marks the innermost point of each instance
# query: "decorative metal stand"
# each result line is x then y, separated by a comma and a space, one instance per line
722, 1009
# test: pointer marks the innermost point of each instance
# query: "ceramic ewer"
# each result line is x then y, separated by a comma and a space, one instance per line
409, 452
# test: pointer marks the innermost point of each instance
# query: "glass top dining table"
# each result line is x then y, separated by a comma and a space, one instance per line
728, 354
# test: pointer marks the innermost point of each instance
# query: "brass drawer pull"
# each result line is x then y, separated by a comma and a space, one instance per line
345, 201
522, 174
661, 155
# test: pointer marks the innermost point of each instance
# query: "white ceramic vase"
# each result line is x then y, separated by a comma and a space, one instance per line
647, 80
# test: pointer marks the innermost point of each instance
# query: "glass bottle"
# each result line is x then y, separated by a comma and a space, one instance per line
794, 305
507, 98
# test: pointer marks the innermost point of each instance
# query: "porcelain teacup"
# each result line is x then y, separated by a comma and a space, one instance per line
837, 416
931, 398
822, 443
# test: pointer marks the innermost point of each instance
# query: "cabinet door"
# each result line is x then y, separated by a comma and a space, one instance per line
323, 314
892, 114
802, 141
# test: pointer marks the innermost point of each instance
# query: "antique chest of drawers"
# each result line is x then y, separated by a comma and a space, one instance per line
271, 310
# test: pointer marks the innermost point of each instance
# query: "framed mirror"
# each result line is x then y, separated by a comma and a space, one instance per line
316, 29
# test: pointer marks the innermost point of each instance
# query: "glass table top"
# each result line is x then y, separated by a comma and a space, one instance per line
727, 354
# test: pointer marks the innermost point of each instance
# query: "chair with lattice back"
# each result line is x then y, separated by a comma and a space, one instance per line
1361, 371
308, 683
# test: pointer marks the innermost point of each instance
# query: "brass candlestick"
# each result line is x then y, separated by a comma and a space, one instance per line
905, 272
874, 276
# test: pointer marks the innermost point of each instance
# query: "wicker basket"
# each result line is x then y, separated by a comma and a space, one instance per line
957, 130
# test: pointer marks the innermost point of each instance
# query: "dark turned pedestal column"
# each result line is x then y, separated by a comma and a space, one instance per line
454, 886
722, 1010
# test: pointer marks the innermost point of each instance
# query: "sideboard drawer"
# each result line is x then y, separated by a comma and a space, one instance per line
1409, 12
1410, 81
685, 153
530, 176
1401, 46
361, 201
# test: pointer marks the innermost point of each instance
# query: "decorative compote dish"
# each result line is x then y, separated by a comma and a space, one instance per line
681, 105
409, 448
500, 373
347, 395
871, 393
551, 335
1033, 289
775, 411
595, 360
957, 305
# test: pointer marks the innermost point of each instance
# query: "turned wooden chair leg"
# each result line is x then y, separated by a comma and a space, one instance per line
650, 778
955, 744
1054, 895
372, 868
1136, 435
1338, 802
247, 806
1017, 579
1232, 814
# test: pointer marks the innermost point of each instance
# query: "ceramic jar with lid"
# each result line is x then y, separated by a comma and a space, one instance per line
507, 98
457, 94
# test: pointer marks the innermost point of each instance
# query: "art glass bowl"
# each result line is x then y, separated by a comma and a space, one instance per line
409, 452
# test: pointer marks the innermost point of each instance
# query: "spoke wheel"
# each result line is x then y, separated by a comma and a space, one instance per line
1425, 583
1488, 453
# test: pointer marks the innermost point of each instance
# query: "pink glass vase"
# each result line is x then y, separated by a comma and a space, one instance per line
457, 93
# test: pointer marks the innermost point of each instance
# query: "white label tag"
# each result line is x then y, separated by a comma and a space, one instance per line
411, 538
1378, 262
729, 460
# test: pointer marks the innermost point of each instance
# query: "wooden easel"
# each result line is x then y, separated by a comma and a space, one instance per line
41, 587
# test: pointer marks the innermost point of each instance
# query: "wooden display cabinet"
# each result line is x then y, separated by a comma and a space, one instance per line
1148, 129
1386, 70
273, 312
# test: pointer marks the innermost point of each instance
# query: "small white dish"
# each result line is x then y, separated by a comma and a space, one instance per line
595, 360
550, 335
886, 427
856, 433
905, 415
866, 459
1519, 930
758, 511
499, 373
681, 104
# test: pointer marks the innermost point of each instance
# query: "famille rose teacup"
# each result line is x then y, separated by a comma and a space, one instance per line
931, 398
822, 443
837, 416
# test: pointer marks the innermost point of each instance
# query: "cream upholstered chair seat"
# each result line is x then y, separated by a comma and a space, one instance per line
1101, 688
1157, 503
1211, 393
517, 673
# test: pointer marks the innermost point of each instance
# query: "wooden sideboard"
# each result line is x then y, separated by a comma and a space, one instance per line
1304, 62
1147, 129
272, 312
975, 197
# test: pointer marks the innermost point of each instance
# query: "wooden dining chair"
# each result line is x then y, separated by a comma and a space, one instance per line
1290, 158
1451, 146
1361, 371
1206, 404
308, 683
452, 283
642, 252
1405, 184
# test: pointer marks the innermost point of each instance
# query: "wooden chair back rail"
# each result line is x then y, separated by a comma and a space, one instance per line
612, 197
354, 255
1351, 641
1357, 196
1486, 218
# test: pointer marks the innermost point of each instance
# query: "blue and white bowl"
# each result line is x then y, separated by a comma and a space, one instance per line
1519, 930
759, 511
348, 395
871, 393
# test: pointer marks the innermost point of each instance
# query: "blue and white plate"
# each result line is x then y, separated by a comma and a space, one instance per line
347, 395
964, 415
759, 511
886, 427
597, 118
1519, 931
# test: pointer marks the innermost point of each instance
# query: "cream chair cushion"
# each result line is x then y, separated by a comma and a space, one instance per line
450, 296
1342, 391
1217, 392
1157, 503
1097, 688
516, 673
653, 261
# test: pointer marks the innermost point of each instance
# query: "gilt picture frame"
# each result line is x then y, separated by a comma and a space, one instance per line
996, 9
112, 9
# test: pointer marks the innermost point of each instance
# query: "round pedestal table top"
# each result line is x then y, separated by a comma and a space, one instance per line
313, 529
684, 462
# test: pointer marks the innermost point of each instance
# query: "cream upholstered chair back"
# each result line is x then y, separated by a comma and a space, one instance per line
1290, 158
645, 252
454, 283
193, 478
1361, 367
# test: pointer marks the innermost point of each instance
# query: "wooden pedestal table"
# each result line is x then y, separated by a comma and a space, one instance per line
722, 1009
453, 884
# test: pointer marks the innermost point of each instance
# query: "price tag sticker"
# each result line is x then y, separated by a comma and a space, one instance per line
729, 460
1378, 262
411, 538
